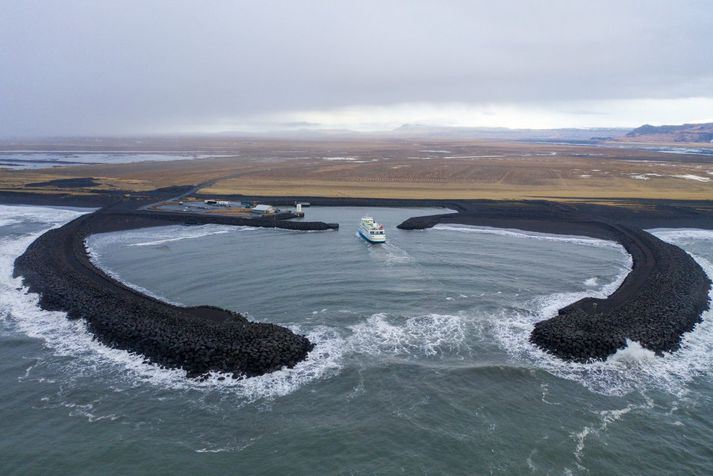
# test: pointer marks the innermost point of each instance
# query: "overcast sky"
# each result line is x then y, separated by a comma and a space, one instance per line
143, 67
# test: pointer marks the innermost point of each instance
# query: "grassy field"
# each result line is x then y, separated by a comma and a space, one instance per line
401, 169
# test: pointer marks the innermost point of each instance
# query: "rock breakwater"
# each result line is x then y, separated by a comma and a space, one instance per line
661, 299
197, 339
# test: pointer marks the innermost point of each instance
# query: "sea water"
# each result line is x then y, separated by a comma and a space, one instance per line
422, 362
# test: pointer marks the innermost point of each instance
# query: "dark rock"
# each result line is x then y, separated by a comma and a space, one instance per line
197, 339
661, 299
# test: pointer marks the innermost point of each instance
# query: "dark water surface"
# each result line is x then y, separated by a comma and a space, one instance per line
422, 362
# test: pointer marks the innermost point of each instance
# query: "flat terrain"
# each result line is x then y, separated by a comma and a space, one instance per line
425, 169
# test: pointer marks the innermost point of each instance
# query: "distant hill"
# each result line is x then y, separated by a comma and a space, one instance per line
682, 133
425, 131
503, 133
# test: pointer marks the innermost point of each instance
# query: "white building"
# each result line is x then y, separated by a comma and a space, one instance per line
263, 210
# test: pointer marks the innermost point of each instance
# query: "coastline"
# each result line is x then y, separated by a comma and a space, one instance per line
652, 311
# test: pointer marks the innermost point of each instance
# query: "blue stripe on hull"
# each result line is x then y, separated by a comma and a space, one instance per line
367, 239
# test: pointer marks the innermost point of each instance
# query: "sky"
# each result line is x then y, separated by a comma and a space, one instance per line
132, 67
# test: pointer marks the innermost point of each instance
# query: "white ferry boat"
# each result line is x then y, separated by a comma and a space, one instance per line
371, 231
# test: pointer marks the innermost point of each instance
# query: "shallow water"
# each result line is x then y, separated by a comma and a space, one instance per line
41, 160
422, 362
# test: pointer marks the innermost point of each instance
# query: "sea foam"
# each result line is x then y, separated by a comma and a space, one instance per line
20, 312
425, 336
413, 337
630, 369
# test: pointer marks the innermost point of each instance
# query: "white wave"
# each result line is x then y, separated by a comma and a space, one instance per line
591, 282
419, 336
682, 235
547, 306
72, 339
426, 335
14, 214
20, 311
632, 354
9, 221
630, 369
527, 234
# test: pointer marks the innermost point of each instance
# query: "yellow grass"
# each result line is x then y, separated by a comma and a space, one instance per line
621, 188
405, 169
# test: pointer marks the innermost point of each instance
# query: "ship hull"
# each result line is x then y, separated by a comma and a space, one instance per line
381, 239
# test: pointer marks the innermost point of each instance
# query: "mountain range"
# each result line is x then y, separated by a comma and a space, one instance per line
683, 133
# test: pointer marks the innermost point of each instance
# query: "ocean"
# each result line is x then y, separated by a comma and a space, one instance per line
422, 363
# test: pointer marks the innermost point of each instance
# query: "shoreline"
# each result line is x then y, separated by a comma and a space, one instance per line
652, 311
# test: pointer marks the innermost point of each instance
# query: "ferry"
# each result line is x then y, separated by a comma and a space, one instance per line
371, 231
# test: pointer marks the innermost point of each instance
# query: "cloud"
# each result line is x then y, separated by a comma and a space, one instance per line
84, 67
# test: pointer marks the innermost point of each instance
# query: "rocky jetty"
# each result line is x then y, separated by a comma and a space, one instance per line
198, 339
661, 299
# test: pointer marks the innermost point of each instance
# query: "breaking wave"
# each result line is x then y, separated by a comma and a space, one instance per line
630, 369
20, 312
426, 336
